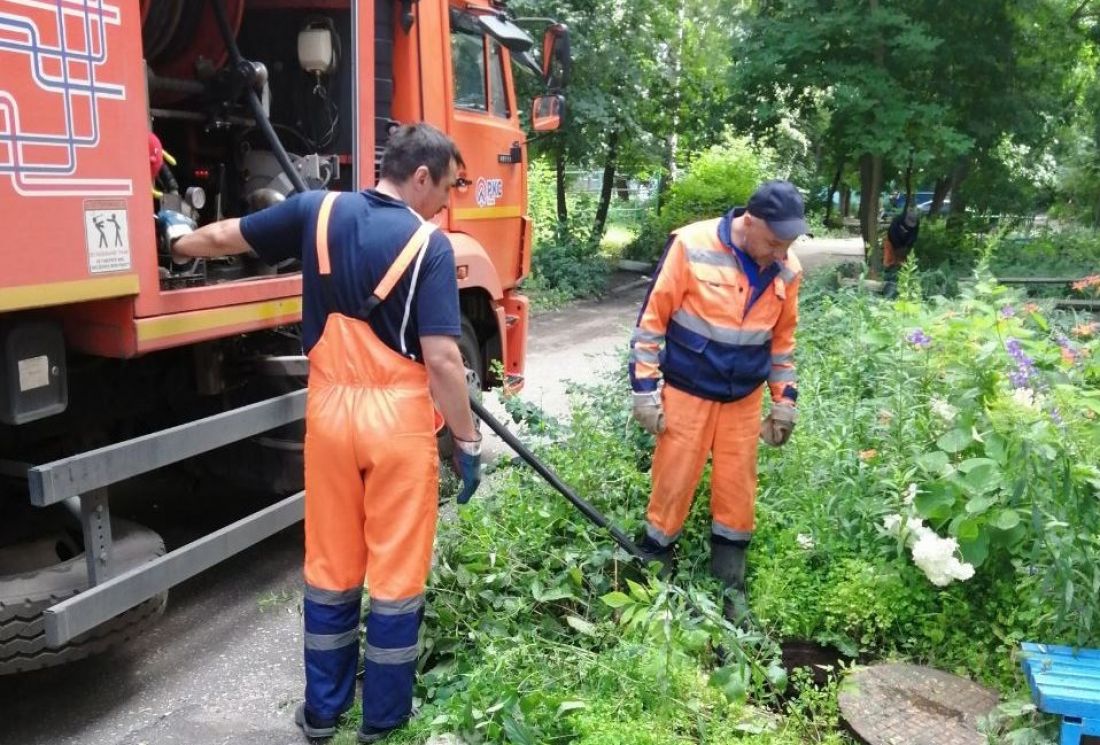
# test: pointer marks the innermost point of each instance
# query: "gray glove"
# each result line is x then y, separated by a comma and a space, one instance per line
649, 412
778, 424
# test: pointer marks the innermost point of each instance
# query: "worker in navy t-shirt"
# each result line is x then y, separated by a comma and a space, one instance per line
381, 322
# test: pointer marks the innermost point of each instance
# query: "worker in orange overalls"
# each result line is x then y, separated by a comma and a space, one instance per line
380, 324
900, 237
717, 324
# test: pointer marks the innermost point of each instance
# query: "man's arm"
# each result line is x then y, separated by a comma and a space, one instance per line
447, 378
783, 379
664, 297
222, 238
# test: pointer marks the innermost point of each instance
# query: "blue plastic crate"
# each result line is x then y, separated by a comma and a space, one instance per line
1065, 681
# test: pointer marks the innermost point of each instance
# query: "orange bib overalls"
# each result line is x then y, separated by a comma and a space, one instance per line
370, 507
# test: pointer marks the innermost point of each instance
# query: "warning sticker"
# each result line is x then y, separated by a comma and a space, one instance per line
107, 235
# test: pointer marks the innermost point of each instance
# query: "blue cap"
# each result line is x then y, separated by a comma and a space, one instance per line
779, 204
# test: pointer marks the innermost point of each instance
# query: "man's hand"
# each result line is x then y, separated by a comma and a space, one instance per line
467, 464
778, 424
649, 412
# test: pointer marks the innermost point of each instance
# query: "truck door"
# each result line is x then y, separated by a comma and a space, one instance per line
485, 125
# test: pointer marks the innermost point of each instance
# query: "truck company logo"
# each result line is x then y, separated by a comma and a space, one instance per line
488, 191
52, 52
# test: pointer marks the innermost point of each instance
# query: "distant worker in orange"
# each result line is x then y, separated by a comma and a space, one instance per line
380, 323
718, 323
899, 240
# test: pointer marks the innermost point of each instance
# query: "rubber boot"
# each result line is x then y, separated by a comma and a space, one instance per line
653, 551
727, 564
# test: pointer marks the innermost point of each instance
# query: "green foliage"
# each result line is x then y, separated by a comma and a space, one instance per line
564, 266
718, 179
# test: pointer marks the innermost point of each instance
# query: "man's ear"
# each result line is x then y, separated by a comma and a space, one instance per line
423, 176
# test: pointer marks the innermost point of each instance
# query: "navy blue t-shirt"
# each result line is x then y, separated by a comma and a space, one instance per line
367, 230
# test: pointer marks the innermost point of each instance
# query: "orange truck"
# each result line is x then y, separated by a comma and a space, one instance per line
114, 361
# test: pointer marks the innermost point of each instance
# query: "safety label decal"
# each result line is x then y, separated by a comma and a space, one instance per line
107, 235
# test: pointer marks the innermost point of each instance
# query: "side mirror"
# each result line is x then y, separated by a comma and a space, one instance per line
557, 57
548, 112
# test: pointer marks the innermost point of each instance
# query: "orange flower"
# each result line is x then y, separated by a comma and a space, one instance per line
866, 455
1068, 356
1086, 329
1031, 307
1093, 280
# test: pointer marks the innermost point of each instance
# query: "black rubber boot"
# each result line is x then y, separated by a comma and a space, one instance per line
653, 551
727, 564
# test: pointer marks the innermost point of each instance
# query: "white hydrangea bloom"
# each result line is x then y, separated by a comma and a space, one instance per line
944, 410
892, 523
936, 558
805, 541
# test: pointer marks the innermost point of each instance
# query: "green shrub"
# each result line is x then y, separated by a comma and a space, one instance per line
565, 262
717, 179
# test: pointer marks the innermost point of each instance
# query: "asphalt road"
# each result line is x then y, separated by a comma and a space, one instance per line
223, 665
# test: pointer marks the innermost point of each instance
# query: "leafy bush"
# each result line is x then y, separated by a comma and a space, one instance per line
717, 179
565, 263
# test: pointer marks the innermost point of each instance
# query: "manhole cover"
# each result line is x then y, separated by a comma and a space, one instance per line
900, 704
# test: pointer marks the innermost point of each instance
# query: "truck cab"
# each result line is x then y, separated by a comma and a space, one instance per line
115, 360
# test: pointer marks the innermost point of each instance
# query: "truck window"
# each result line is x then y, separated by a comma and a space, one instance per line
468, 56
498, 96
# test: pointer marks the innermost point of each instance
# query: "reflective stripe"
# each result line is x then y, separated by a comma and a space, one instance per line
662, 538
720, 333
329, 642
722, 531
391, 656
397, 607
333, 597
782, 375
712, 258
646, 337
643, 355
779, 359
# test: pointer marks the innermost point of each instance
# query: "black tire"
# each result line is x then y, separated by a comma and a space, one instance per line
470, 350
25, 597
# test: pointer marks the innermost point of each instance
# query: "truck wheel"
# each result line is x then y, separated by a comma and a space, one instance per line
24, 597
471, 359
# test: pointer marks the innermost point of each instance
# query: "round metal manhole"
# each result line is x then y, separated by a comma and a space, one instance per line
898, 704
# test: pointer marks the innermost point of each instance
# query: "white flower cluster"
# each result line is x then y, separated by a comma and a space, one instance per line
944, 410
935, 556
805, 541
1027, 399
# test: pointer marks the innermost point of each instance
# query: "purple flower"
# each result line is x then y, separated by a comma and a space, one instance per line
1008, 311
1056, 416
918, 338
1025, 366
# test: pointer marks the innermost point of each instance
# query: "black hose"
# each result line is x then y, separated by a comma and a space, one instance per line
254, 102
594, 516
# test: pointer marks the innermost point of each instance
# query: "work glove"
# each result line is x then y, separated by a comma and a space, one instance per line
171, 226
649, 412
467, 464
778, 424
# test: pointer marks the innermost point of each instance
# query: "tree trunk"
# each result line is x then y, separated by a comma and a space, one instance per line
943, 187
870, 184
832, 190
909, 184
607, 186
845, 202
559, 177
622, 188
958, 201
